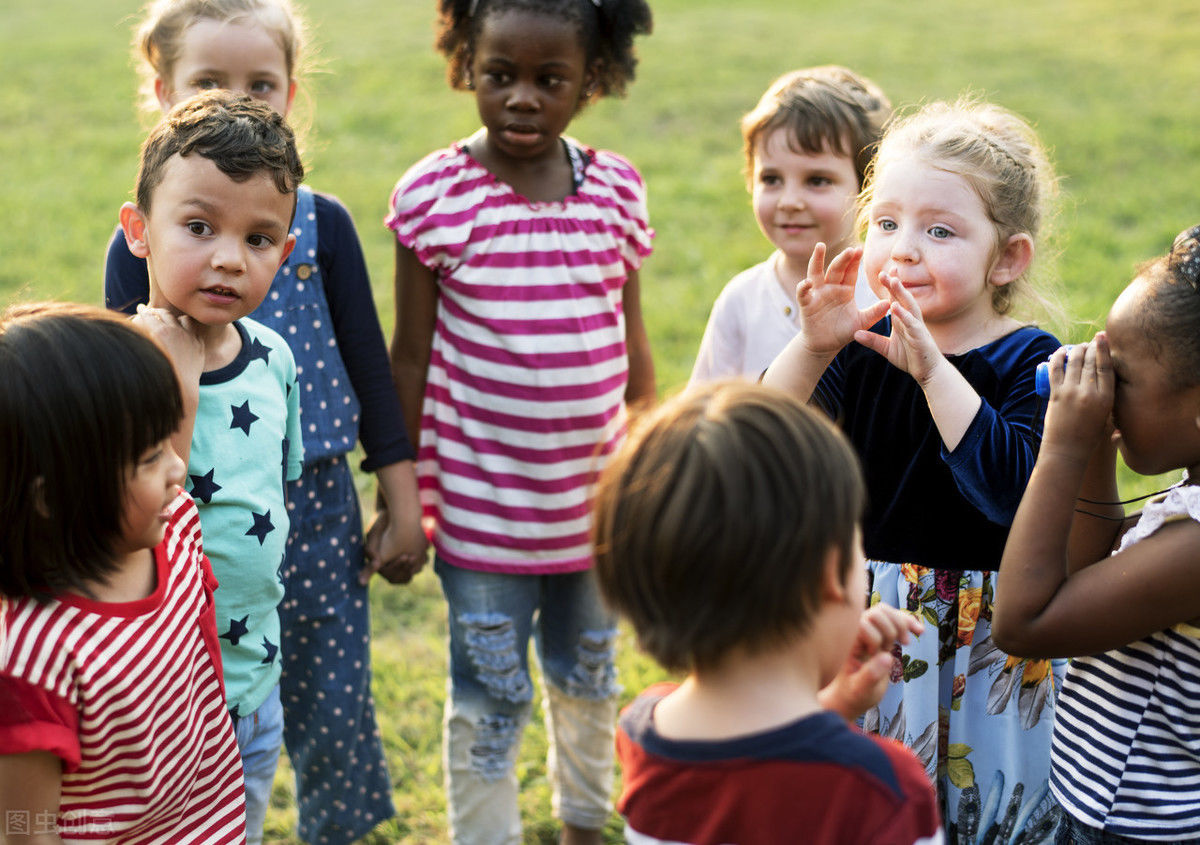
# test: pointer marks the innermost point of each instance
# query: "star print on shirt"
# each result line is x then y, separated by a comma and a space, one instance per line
237, 627
262, 527
271, 649
243, 417
259, 350
203, 486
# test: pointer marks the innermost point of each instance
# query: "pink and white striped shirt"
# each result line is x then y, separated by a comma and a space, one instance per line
525, 391
130, 698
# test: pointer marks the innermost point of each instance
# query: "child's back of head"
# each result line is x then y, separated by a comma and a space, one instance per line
716, 518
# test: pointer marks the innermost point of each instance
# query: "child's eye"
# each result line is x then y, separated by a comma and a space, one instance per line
886, 225
820, 181
199, 227
259, 241
262, 87
769, 179
496, 77
940, 232
205, 83
551, 81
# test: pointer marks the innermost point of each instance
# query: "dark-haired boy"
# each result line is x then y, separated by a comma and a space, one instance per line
727, 533
216, 192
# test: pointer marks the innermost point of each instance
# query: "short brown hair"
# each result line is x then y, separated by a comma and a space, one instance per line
829, 107
83, 394
240, 135
715, 519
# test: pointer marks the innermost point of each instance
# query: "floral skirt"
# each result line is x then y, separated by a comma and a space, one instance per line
980, 720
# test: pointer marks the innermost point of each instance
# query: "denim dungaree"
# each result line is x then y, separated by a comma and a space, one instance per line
342, 784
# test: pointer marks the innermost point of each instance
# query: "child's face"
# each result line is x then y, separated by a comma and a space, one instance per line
151, 485
244, 57
213, 244
529, 75
802, 199
928, 227
1156, 420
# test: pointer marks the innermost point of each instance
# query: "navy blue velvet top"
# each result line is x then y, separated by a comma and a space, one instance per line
929, 506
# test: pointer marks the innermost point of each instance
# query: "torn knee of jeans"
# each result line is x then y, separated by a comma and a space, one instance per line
492, 647
495, 735
594, 676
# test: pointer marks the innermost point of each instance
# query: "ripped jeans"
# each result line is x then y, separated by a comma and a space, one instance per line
491, 617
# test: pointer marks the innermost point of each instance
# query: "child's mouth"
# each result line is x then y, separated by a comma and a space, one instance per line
220, 293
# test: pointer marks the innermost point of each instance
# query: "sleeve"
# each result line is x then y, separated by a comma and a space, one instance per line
33, 719
620, 187
916, 821
992, 463
424, 217
723, 345
293, 452
126, 280
360, 337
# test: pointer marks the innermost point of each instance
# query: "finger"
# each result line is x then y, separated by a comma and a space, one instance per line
1073, 369
1105, 377
370, 567
874, 312
843, 269
816, 264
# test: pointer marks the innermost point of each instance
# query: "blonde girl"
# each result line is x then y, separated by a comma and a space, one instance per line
321, 303
1120, 594
935, 387
519, 340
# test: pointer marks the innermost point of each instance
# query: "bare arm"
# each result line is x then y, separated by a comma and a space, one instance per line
416, 296
30, 786
178, 338
640, 391
1056, 578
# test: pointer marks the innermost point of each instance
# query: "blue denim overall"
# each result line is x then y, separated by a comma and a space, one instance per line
342, 784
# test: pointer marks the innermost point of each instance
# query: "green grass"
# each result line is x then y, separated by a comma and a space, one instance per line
1110, 86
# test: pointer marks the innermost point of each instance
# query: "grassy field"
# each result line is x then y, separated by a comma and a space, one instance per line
1107, 84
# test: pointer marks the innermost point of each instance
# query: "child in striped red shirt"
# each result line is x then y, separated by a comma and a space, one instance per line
113, 725
519, 341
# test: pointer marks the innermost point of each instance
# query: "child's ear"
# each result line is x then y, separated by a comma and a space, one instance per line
133, 223
834, 582
163, 94
1014, 259
288, 246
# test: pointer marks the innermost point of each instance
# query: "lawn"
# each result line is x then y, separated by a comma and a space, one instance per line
1107, 84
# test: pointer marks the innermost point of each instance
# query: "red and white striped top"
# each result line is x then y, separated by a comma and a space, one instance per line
130, 697
528, 367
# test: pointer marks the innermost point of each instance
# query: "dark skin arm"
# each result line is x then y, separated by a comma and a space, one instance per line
1059, 593
416, 296
641, 391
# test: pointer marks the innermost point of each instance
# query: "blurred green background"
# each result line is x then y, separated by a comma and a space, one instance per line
1111, 87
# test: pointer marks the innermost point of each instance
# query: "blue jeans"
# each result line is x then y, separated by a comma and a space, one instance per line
259, 738
492, 618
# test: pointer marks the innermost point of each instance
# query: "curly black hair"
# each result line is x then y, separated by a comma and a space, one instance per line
606, 28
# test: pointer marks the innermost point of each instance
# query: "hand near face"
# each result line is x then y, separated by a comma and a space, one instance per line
865, 675
1082, 385
829, 317
910, 346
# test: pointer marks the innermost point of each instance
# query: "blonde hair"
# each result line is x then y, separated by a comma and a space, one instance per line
828, 107
1000, 156
158, 41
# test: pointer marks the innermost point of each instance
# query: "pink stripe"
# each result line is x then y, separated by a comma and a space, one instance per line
540, 425
515, 292
577, 564
530, 392
519, 544
512, 513
531, 360
551, 325
525, 454
529, 259
505, 480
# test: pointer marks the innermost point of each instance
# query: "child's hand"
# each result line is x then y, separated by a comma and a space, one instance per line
1079, 414
864, 676
829, 316
910, 347
178, 338
395, 550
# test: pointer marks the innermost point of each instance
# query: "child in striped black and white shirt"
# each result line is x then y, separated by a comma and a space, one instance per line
1119, 594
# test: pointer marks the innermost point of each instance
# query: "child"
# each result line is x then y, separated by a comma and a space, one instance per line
746, 749
807, 146
321, 303
519, 340
215, 194
112, 713
939, 401
1124, 764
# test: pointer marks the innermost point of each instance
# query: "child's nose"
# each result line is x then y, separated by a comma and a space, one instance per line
229, 255
523, 97
177, 470
792, 197
904, 248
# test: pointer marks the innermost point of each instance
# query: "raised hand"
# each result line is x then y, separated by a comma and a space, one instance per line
829, 316
910, 346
